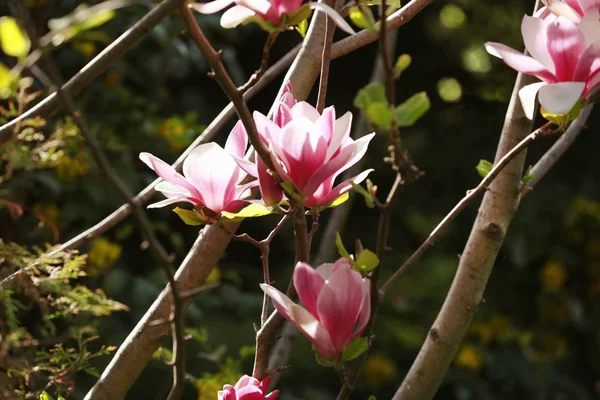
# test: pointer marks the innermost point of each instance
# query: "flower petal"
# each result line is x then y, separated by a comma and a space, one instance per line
237, 141
519, 61
282, 303
527, 95
211, 7
347, 157
258, 6
214, 173
590, 26
337, 18
339, 305
270, 191
168, 173
535, 36
314, 331
308, 283
365, 310
235, 16
559, 98
321, 199
303, 109
566, 45
343, 126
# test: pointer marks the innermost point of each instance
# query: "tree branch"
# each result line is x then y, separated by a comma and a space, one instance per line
98, 65
476, 262
544, 164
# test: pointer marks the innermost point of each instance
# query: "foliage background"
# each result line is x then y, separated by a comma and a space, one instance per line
535, 336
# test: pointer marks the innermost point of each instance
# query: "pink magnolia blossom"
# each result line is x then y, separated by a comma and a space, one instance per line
272, 11
572, 9
563, 55
336, 305
211, 178
308, 149
248, 388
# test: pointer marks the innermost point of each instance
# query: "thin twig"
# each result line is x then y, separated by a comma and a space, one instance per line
406, 173
325, 61
264, 246
103, 60
463, 203
99, 64
264, 63
54, 82
221, 75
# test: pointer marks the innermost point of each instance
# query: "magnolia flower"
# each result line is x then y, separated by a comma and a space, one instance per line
572, 9
561, 57
336, 308
211, 178
248, 388
308, 149
272, 11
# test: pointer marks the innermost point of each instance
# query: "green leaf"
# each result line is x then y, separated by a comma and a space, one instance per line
372, 93
365, 193
366, 261
300, 16
189, 217
484, 167
6, 77
13, 40
411, 110
322, 360
71, 25
355, 349
371, 397
402, 63
340, 247
302, 27
362, 17
252, 210
380, 114
45, 396
527, 177
336, 202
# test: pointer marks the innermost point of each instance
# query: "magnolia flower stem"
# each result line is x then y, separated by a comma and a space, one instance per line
325, 60
264, 62
53, 80
264, 247
220, 74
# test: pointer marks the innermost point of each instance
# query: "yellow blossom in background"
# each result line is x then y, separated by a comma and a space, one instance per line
210, 384
174, 131
469, 357
104, 253
49, 212
592, 247
214, 276
553, 276
483, 330
379, 370
543, 347
112, 79
86, 49
498, 329
68, 168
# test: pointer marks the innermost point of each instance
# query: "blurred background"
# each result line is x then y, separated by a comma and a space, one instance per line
537, 336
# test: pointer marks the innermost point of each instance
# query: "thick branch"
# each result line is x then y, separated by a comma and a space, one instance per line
476, 263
